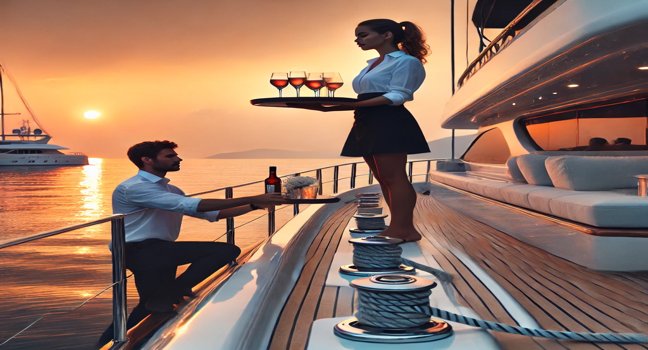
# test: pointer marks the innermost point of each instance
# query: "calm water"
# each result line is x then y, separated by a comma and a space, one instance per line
53, 276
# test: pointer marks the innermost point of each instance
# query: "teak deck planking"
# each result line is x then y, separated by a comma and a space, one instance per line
558, 294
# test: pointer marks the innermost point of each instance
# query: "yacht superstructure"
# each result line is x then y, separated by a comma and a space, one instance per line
27, 146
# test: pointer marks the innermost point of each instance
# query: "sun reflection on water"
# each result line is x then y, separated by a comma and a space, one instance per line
90, 189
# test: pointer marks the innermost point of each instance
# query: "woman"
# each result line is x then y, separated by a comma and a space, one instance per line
384, 131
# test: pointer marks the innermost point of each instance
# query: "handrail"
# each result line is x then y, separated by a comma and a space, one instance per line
118, 239
59, 231
497, 44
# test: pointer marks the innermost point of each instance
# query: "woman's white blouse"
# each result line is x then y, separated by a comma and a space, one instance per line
398, 76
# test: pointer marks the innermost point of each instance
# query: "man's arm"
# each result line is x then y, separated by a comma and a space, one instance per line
232, 212
261, 201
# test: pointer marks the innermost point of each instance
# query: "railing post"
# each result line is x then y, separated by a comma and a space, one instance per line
320, 182
295, 209
229, 193
371, 177
336, 175
353, 175
427, 171
118, 235
271, 221
410, 170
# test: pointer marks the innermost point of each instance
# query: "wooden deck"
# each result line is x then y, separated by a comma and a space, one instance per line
558, 294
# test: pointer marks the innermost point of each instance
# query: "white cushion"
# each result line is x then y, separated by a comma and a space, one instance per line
603, 209
514, 170
595, 173
533, 168
519, 194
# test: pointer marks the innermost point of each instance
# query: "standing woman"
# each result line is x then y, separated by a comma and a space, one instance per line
384, 131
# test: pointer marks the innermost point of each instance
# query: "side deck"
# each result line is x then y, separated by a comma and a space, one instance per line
555, 293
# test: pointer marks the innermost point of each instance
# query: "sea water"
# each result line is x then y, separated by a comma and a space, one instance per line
48, 280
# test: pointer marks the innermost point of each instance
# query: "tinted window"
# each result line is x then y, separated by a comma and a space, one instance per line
613, 128
489, 147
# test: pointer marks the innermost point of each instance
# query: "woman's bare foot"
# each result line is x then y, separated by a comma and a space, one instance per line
407, 235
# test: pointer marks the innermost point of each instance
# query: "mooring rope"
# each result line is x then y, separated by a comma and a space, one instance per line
377, 256
394, 310
388, 257
397, 310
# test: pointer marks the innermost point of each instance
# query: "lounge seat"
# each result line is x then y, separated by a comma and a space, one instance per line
606, 209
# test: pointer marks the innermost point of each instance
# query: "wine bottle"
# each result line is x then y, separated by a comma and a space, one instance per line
273, 183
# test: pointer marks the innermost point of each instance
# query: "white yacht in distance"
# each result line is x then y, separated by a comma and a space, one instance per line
27, 146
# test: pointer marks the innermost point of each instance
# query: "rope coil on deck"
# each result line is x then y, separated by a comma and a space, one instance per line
377, 256
404, 308
394, 310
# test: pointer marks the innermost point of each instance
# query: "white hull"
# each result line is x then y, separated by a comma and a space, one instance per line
42, 159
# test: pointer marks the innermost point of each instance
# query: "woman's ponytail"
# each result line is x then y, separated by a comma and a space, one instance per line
413, 41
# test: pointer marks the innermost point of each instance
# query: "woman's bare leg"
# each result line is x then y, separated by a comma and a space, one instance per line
393, 178
372, 165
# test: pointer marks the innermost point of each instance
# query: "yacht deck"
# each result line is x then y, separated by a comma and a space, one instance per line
556, 293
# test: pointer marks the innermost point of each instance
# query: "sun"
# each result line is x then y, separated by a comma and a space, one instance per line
91, 114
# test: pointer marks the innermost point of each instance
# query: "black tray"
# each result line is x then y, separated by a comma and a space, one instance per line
317, 103
313, 200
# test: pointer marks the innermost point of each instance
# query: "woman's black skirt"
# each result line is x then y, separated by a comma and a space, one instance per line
384, 129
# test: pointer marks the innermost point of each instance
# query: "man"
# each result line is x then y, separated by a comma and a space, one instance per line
152, 253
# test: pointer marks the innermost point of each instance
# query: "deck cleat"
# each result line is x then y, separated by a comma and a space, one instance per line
376, 255
393, 309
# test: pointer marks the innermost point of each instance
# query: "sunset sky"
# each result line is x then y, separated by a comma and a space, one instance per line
186, 70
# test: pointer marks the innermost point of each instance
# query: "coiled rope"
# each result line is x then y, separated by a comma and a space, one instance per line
377, 256
396, 310
388, 257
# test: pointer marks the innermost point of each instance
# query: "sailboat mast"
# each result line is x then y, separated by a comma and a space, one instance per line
2, 105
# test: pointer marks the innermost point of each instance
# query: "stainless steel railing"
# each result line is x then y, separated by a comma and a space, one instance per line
119, 304
502, 40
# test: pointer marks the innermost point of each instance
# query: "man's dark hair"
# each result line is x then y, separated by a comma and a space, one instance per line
148, 149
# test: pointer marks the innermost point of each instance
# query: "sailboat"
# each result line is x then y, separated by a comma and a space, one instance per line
29, 146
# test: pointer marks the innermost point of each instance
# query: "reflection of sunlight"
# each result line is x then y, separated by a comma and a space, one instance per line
91, 190
83, 250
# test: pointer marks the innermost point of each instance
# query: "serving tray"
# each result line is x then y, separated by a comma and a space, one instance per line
317, 103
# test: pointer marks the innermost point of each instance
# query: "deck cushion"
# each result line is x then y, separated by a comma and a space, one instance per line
618, 208
603, 209
533, 168
514, 170
595, 173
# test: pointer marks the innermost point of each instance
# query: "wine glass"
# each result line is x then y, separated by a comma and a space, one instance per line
279, 80
297, 79
315, 82
333, 82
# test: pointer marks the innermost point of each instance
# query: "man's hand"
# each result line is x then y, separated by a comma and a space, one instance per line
268, 200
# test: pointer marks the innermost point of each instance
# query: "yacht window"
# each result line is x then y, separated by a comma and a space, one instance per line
611, 128
490, 147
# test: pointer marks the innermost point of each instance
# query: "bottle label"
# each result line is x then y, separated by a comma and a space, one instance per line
270, 188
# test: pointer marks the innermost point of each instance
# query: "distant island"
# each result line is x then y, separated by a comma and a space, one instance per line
268, 153
442, 148
439, 149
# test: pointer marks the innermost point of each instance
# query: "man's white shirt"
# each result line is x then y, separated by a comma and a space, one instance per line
158, 206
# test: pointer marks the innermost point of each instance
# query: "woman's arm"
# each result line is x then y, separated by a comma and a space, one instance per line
376, 101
